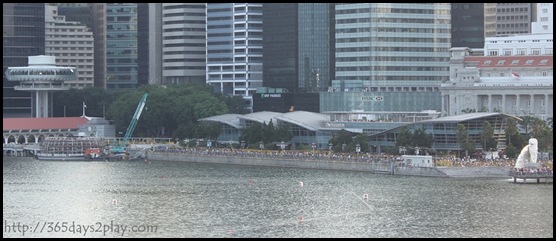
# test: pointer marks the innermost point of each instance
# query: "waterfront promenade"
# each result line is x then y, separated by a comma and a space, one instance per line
383, 164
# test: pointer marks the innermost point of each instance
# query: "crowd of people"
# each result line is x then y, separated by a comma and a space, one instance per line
320, 155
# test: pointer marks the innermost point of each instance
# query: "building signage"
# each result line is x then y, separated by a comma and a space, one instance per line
372, 98
271, 95
334, 125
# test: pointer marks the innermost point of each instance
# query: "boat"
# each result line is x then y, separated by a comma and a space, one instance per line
69, 148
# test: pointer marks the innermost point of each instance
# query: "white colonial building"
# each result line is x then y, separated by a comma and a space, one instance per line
514, 77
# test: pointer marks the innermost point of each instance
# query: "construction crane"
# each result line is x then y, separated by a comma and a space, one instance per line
120, 148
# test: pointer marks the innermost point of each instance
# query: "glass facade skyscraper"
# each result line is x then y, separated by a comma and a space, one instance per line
298, 46
390, 57
393, 44
235, 48
24, 33
124, 60
468, 25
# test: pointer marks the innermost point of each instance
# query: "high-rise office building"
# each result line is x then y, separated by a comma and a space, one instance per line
298, 52
544, 18
513, 18
234, 64
471, 23
183, 43
99, 34
23, 25
126, 45
73, 45
389, 57
393, 44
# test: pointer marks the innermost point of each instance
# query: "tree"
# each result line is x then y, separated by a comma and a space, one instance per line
466, 144
363, 142
421, 139
404, 138
487, 137
468, 110
340, 138
512, 133
283, 132
526, 122
70, 103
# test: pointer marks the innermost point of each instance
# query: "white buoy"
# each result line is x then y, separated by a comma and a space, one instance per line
301, 183
114, 201
366, 196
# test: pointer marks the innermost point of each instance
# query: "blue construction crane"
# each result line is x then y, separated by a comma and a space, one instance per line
120, 148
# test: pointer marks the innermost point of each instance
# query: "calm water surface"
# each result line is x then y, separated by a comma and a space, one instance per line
177, 199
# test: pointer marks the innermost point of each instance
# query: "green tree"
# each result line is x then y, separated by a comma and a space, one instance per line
421, 139
466, 144
512, 133
208, 130
363, 142
341, 138
96, 99
468, 110
404, 138
252, 134
527, 121
487, 137
283, 132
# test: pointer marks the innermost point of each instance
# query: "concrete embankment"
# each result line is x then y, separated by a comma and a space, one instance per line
373, 167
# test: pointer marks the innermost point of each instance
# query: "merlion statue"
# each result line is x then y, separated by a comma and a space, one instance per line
528, 154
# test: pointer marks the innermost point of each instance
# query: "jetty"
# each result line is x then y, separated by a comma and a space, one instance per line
541, 175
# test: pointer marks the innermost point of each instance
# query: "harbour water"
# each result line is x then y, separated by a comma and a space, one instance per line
179, 199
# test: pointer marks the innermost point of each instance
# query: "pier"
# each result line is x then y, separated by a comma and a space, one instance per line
538, 174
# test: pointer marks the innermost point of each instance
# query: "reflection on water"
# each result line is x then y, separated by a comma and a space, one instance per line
175, 199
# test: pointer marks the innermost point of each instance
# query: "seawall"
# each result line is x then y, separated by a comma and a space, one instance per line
373, 167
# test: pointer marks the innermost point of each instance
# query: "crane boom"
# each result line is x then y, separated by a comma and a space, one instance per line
131, 128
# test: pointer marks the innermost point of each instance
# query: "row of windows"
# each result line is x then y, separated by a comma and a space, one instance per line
184, 14
513, 25
394, 10
183, 52
184, 67
183, 60
392, 49
387, 58
121, 19
392, 78
181, 6
79, 30
516, 61
391, 68
392, 30
512, 10
184, 37
184, 30
184, 45
512, 17
228, 67
185, 22
392, 40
